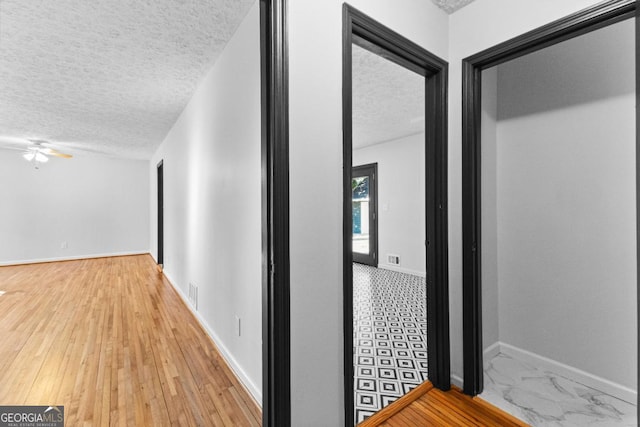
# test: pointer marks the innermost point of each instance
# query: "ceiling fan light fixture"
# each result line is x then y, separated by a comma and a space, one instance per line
37, 151
35, 156
41, 157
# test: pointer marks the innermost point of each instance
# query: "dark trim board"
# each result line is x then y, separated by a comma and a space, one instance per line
360, 29
587, 20
638, 191
276, 389
160, 213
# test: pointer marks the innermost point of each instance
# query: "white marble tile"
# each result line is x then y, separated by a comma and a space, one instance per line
544, 399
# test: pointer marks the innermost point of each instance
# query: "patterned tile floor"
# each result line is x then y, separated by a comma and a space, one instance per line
389, 325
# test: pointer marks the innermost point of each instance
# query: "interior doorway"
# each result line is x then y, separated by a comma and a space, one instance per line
361, 33
160, 184
364, 187
548, 171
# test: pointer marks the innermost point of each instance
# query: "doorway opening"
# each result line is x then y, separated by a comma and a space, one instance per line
364, 188
557, 253
363, 34
160, 185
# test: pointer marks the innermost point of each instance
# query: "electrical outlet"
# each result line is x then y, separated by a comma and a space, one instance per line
238, 324
64, 245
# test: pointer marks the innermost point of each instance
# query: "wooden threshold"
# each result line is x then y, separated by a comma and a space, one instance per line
397, 406
428, 406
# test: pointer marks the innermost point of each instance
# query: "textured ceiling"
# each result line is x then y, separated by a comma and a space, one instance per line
388, 100
451, 6
106, 76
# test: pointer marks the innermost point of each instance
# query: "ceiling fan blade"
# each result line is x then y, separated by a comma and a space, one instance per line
62, 155
52, 152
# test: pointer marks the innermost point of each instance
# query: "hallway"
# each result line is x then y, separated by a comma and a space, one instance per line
111, 341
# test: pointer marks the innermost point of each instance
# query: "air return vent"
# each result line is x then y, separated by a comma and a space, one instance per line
193, 295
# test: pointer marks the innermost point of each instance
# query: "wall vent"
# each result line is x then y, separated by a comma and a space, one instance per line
193, 295
393, 259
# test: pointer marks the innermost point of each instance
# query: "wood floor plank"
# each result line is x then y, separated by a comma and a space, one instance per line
112, 341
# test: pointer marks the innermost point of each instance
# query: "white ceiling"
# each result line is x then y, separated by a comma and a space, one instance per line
388, 99
113, 76
451, 6
106, 76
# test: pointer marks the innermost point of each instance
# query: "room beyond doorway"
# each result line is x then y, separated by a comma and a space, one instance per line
474, 253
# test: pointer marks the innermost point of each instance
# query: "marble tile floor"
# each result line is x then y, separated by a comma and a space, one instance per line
544, 399
390, 351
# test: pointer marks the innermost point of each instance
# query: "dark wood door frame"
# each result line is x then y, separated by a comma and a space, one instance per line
276, 377
587, 20
373, 36
638, 191
160, 207
372, 257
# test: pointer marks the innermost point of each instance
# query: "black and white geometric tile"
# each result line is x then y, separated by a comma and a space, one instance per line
389, 336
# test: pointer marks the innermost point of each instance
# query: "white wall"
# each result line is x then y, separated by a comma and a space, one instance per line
315, 55
401, 203
97, 205
489, 269
566, 203
479, 26
212, 199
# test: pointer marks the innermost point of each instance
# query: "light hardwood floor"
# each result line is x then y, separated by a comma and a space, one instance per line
111, 340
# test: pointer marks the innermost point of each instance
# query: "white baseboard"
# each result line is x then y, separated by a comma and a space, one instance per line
609, 387
249, 385
490, 352
72, 258
402, 270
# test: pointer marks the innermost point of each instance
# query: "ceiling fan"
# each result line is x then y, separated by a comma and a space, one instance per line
37, 151
40, 150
